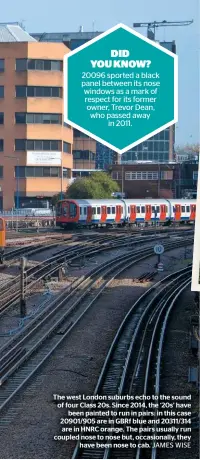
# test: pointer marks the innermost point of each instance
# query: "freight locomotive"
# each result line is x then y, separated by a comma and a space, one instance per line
80, 213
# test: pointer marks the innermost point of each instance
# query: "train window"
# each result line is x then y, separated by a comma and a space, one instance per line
72, 210
183, 208
64, 210
93, 211
58, 209
158, 208
85, 211
142, 209
153, 208
166, 208
187, 209
98, 210
108, 210
128, 208
174, 209
138, 209
113, 210
80, 209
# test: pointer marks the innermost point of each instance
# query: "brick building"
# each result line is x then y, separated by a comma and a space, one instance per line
156, 180
35, 145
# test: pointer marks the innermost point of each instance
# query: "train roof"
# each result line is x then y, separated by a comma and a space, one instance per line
110, 202
145, 200
182, 200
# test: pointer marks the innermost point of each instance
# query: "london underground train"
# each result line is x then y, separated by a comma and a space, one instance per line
106, 212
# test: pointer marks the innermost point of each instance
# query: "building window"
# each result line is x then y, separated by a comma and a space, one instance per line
38, 91
40, 171
20, 117
1, 145
38, 64
128, 176
83, 155
80, 134
66, 173
1, 172
21, 65
66, 147
20, 144
2, 65
30, 144
141, 175
43, 118
1, 118
1, 91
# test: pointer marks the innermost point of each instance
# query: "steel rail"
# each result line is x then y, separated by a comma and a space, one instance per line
115, 372
55, 340
61, 256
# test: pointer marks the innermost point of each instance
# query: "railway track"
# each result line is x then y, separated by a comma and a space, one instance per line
134, 362
25, 353
10, 291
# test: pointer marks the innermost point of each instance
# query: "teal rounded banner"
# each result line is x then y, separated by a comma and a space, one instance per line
120, 88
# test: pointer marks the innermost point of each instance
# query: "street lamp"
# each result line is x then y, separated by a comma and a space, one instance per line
17, 194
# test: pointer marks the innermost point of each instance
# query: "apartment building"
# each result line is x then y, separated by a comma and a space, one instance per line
35, 144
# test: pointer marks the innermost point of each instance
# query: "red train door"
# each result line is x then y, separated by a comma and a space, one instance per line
118, 213
163, 212
177, 213
132, 213
192, 211
89, 213
147, 212
103, 213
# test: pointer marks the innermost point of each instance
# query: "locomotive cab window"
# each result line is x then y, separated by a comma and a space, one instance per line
72, 210
59, 209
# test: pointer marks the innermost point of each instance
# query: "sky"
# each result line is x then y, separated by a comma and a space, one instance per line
100, 15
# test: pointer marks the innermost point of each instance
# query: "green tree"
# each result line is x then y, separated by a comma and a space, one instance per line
99, 185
